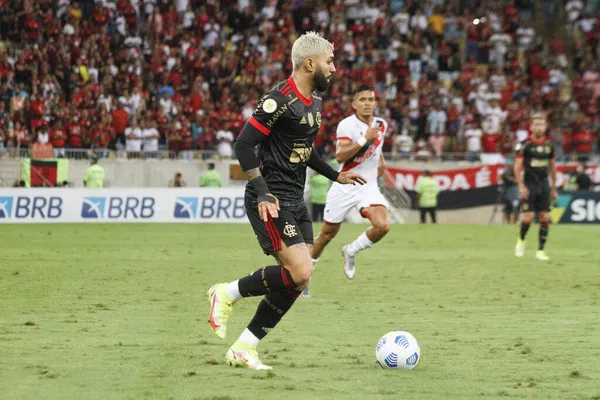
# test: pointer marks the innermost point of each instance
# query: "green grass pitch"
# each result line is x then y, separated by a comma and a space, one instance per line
119, 312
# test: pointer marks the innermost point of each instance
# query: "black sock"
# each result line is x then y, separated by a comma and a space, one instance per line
270, 311
524, 229
544, 228
271, 279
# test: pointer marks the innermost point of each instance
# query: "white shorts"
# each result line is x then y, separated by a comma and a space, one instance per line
341, 200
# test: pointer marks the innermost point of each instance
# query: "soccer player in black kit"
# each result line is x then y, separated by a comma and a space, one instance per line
535, 158
281, 129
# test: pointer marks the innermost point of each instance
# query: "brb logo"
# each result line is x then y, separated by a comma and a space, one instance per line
36, 207
209, 207
117, 207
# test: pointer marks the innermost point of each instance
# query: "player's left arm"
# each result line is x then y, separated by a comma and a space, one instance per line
554, 192
316, 163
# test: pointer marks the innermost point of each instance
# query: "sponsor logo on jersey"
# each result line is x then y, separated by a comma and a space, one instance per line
276, 116
535, 163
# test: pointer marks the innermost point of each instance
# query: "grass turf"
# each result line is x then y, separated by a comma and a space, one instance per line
119, 312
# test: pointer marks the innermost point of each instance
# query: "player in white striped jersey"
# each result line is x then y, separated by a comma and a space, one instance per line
359, 149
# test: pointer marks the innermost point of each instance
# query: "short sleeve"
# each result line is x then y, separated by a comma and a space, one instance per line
343, 132
269, 110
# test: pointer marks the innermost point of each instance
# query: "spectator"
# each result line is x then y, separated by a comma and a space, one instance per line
404, 145
18, 138
177, 181
583, 142
427, 194
473, 136
436, 142
583, 180
170, 59
134, 138
225, 139
211, 178
436, 120
94, 175
120, 118
151, 136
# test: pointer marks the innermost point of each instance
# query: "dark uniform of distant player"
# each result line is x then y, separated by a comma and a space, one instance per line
535, 158
282, 130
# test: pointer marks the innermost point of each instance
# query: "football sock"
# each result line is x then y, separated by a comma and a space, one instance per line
271, 279
524, 229
315, 261
544, 227
248, 337
270, 311
233, 290
362, 242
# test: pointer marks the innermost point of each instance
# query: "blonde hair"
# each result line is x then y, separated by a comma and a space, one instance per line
538, 115
307, 45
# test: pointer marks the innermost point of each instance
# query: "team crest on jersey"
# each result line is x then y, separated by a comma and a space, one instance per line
548, 149
540, 149
269, 106
289, 230
318, 118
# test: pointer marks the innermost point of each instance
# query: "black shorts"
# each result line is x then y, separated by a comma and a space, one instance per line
538, 199
293, 226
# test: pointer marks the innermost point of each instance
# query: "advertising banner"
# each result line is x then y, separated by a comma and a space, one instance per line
459, 188
219, 205
580, 207
472, 186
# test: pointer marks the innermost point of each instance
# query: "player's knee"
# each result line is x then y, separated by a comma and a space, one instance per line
382, 227
301, 275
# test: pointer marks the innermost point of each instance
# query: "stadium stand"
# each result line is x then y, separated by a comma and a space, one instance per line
160, 78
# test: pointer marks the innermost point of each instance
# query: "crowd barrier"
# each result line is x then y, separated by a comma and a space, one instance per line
221, 205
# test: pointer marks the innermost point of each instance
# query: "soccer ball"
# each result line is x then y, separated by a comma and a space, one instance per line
398, 350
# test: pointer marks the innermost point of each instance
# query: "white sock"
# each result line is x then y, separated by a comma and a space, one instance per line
248, 337
315, 261
233, 291
362, 242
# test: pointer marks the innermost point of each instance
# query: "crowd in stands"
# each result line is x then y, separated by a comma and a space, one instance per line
452, 76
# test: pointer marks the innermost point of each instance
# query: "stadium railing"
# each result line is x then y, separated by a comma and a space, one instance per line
162, 154
85, 154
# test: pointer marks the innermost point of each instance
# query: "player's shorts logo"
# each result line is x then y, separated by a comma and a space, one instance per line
93, 207
185, 207
289, 230
6, 207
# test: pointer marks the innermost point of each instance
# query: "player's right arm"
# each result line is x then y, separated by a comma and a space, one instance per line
256, 130
346, 147
520, 156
